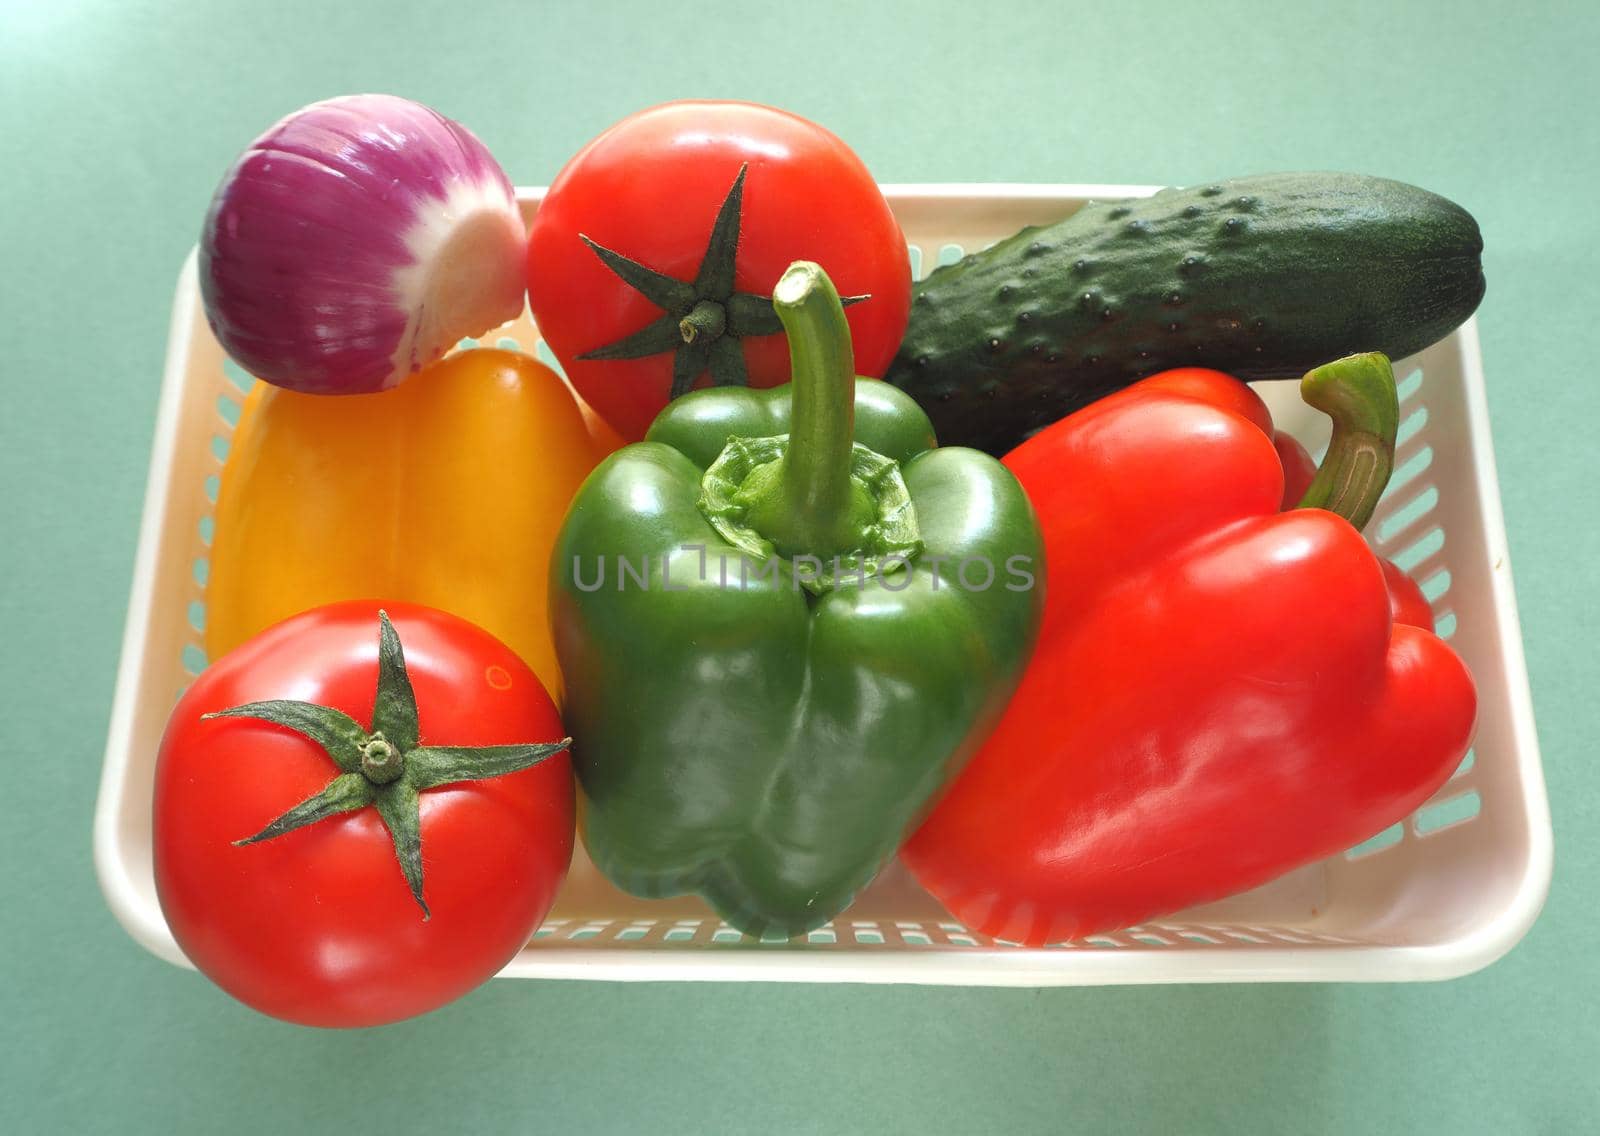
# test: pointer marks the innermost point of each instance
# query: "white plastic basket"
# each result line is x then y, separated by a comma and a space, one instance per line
1445, 893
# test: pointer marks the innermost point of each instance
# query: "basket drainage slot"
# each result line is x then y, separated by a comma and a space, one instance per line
1444, 814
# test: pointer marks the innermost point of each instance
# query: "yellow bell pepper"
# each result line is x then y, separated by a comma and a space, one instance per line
447, 490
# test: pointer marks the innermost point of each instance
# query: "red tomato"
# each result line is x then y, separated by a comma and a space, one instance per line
318, 925
650, 189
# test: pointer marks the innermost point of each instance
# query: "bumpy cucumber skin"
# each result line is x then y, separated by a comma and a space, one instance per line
1262, 277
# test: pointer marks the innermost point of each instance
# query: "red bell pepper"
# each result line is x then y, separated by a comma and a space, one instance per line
1407, 603
1219, 694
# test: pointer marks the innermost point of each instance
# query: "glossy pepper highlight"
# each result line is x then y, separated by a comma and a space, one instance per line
1220, 694
446, 491
824, 632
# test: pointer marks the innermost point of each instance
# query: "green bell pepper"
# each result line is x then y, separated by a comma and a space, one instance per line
778, 646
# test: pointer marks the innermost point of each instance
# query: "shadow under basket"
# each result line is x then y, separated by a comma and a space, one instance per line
1443, 893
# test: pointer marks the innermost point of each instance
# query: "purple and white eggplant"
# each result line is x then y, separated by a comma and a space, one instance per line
355, 242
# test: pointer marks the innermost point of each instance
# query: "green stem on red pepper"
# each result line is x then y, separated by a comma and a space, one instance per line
1358, 393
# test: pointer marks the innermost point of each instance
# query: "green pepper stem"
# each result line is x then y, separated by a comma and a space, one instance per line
1358, 393
815, 475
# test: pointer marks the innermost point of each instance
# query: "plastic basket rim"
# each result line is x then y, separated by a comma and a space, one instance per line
1482, 945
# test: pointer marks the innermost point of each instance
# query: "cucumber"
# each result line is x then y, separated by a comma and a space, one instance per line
1262, 277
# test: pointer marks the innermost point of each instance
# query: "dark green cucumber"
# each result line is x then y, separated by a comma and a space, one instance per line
1262, 277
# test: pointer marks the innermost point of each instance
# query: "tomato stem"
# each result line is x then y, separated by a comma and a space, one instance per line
697, 314
705, 321
384, 767
381, 762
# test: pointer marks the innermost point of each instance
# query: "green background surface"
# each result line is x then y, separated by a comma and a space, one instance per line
118, 117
